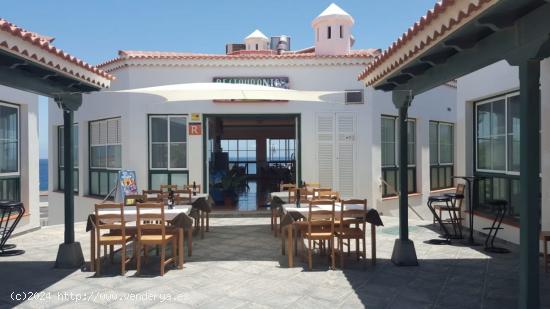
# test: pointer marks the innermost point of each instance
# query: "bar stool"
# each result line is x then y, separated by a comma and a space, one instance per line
10, 214
457, 198
440, 199
500, 207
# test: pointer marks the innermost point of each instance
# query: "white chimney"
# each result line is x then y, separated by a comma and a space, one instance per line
333, 31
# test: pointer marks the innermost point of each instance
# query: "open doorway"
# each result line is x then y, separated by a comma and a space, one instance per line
248, 156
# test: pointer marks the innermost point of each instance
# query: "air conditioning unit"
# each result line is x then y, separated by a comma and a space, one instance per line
354, 97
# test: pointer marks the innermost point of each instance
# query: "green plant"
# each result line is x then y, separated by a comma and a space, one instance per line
233, 183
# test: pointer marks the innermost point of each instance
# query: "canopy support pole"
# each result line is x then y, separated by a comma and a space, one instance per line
69, 254
529, 77
404, 253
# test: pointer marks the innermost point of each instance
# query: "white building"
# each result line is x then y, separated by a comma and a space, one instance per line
488, 110
338, 145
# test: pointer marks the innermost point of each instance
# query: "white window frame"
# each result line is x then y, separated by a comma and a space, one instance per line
439, 123
105, 167
150, 142
396, 138
18, 173
489, 101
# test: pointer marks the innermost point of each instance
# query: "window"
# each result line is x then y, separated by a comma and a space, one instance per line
389, 149
9, 152
257, 47
497, 151
280, 150
341, 32
242, 153
329, 32
105, 155
167, 150
441, 155
61, 158
497, 135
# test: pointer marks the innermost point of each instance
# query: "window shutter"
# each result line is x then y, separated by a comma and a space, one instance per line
345, 126
325, 149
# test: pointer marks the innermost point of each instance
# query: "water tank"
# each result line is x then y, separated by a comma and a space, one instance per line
280, 41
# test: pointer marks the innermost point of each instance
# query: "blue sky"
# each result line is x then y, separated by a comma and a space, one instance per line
95, 30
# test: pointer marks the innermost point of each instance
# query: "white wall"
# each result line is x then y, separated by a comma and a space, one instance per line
494, 80
29, 154
438, 104
303, 75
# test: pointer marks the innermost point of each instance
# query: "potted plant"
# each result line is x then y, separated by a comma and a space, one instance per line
233, 183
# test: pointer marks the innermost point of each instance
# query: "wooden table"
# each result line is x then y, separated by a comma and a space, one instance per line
304, 210
130, 215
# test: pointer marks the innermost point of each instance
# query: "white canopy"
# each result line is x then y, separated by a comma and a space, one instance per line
235, 92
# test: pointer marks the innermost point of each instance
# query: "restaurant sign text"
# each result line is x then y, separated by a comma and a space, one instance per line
277, 82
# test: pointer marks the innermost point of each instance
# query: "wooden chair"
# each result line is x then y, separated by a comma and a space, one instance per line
151, 230
305, 194
316, 191
319, 227
166, 188
312, 185
183, 197
115, 223
152, 196
286, 186
456, 209
545, 237
323, 195
190, 187
345, 231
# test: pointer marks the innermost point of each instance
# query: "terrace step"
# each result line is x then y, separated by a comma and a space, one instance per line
240, 214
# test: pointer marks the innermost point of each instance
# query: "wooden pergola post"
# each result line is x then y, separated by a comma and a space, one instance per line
529, 80
404, 253
70, 253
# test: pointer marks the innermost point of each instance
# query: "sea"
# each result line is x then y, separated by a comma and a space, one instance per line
43, 174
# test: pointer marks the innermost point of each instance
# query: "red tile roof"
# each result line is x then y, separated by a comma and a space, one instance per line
239, 55
419, 28
44, 43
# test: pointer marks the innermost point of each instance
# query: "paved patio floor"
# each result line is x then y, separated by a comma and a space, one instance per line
239, 265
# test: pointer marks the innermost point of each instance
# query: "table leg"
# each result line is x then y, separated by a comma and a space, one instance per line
190, 241
202, 224
181, 243
290, 233
92, 250
207, 221
373, 243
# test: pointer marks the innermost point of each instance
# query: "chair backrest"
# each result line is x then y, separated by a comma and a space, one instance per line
318, 217
460, 188
150, 218
152, 195
165, 188
182, 197
133, 199
351, 213
317, 190
304, 193
286, 186
190, 187
328, 195
109, 216
312, 185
